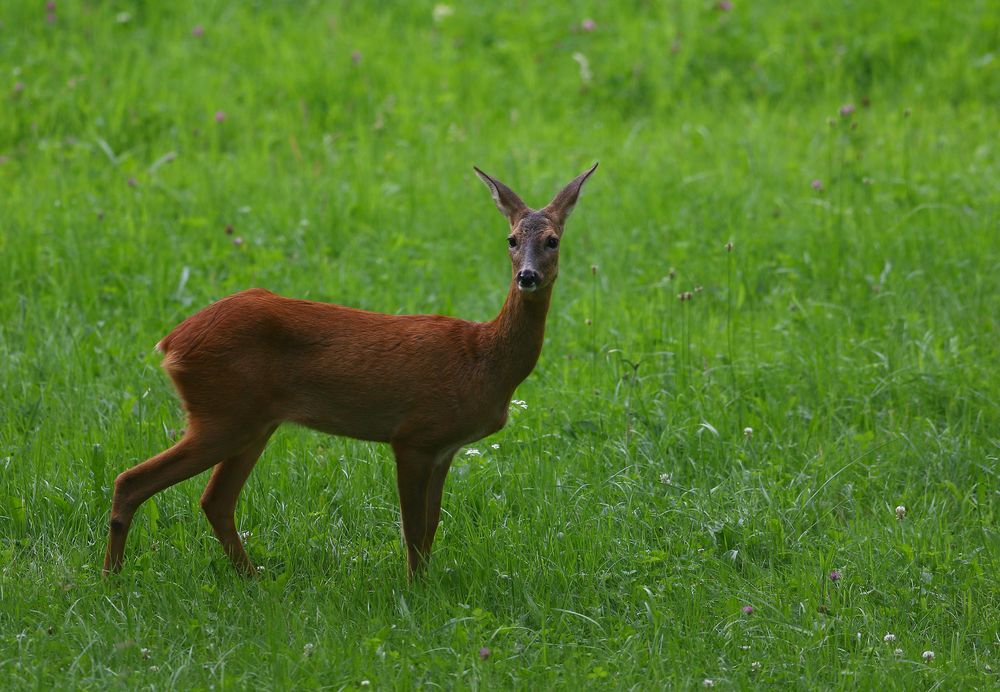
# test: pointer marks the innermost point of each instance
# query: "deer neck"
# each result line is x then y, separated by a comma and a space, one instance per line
514, 338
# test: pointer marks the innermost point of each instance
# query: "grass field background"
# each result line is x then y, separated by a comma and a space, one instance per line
613, 533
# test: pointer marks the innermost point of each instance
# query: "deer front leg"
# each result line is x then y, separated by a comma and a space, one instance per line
435, 491
414, 469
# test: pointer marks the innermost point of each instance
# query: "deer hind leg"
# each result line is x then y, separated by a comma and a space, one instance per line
221, 494
199, 449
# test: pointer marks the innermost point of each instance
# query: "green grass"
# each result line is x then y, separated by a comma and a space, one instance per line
612, 533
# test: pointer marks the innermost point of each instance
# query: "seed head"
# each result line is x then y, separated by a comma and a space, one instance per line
593, 269
900, 512
748, 432
729, 246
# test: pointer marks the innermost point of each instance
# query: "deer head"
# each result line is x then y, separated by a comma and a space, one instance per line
535, 235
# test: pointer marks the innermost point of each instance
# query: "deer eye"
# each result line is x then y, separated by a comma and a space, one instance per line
512, 241
552, 242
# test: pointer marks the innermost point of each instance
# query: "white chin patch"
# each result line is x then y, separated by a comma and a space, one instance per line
528, 289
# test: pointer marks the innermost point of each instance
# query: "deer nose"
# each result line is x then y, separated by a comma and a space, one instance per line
528, 279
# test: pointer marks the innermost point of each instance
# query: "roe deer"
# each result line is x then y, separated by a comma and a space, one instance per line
426, 384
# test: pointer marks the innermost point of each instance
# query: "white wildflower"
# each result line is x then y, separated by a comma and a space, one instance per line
900, 512
473, 452
927, 656
441, 12
889, 638
581, 60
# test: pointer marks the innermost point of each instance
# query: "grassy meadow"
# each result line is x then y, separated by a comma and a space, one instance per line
695, 491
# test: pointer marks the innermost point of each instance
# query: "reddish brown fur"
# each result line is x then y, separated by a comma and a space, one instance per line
424, 383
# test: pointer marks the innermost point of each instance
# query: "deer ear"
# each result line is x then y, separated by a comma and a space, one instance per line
562, 204
507, 201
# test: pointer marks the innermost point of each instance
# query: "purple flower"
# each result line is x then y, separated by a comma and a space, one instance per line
50, 17
847, 109
834, 575
748, 609
50, 6
817, 184
132, 182
588, 24
198, 31
356, 57
725, 5
18, 87
484, 653
220, 116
